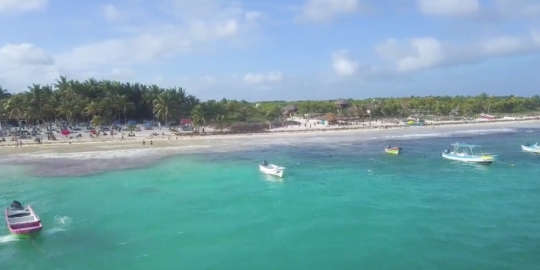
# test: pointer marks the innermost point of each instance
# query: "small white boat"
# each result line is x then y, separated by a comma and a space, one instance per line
464, 156
271, 169
535, 148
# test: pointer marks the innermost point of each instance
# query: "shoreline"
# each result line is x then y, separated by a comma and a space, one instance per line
223, 142
86, 158
171, 137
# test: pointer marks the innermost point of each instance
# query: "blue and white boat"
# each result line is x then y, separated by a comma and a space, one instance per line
535, 148
460, 153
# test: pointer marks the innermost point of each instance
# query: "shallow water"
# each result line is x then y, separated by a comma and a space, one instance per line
343, 204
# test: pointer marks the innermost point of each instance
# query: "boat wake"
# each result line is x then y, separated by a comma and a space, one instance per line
8, 238
271, 178
53, 231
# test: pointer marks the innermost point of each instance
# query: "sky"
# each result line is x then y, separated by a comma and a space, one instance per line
278, 50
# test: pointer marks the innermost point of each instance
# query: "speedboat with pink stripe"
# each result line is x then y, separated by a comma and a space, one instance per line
21, 221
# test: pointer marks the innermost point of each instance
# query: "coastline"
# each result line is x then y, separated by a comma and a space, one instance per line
170, 136
86, 158
211, 140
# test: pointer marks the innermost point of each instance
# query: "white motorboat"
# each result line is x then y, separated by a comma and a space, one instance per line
535, 148
271, 169
464, 156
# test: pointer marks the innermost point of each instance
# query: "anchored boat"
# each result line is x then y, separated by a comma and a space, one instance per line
393, 150
22, 221
535, 148
271, 169
460, 153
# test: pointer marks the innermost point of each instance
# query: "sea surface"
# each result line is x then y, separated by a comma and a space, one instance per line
342, 204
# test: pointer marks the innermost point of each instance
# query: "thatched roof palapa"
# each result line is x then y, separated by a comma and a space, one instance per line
341, 102
290, 107
330, 117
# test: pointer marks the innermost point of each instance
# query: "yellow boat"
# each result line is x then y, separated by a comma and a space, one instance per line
392, 150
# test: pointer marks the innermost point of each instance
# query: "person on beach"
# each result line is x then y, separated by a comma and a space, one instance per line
143, 142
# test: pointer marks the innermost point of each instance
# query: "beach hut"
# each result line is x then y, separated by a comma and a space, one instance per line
330, 118
341, 104
185, 122
290, 110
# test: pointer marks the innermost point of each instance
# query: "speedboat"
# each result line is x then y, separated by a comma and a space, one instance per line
393, 150
461, 154
21, 221
535, 148
271, 169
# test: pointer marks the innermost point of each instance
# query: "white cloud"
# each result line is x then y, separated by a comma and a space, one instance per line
21, 5
111, 13
202, 24
125, 52
229, 28
257, 78
12, 55
502, 45
424, 53
416, 54
122, 73
448, 7
536, 37
23, 64
324, 10
519, 8
252, 15
343, 64
182, 28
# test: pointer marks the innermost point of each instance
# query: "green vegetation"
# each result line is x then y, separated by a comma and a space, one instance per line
101, 102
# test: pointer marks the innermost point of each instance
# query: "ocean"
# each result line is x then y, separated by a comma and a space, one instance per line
342, 204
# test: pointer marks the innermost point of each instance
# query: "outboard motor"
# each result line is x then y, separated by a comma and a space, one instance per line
16, 205
387, 146
264, 163
446, 151
527, 144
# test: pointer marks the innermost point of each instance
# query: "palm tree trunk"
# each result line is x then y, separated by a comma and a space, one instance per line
125, 116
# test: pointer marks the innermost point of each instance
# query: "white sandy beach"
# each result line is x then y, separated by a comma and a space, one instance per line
166, 141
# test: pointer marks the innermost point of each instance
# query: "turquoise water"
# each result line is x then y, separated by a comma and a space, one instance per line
342, 205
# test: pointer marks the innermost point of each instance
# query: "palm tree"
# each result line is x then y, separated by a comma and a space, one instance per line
66, 108
80, 101
92, 109
124, 104
16, 106
164, 105
220, 122
4, 94
107, 105
198, 117
97, 121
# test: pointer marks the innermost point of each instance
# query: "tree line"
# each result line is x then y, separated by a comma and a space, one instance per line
105, 101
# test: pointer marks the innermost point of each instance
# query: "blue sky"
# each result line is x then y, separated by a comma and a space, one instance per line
278, 50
